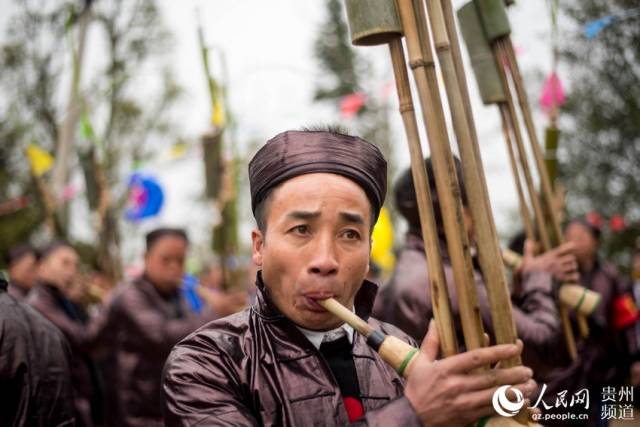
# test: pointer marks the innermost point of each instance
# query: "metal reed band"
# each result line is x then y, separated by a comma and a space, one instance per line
375, 340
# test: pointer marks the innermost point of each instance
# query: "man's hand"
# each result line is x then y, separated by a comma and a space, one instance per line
451, 391
223, 303
560, 262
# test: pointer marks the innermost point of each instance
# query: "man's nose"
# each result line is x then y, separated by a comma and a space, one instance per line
324, 260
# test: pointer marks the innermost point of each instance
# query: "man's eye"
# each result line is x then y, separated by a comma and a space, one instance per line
351, 234
300, 229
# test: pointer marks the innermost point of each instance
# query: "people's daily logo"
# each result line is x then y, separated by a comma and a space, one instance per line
503, 405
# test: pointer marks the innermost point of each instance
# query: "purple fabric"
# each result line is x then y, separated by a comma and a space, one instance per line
293, 153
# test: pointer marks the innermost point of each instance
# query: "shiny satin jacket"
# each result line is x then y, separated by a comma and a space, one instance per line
406, 302
35, 388
257, 368
144, 326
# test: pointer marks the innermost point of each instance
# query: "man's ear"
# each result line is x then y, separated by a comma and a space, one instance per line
257, 244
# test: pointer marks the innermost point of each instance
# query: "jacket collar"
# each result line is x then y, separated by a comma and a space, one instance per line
289, 343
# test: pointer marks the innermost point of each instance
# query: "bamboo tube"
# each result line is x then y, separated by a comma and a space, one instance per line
545, 183
566, 326
583, 325
484, 226
580, 299
397, 353
423, 67
522, 203
547, 191
437, 281
514, 124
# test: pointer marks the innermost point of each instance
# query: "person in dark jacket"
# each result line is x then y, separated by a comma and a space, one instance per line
57, 269
21, 265
286, 361
604, 356
35, 389
147, 317
406, 300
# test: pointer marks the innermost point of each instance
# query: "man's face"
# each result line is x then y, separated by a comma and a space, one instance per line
164, 262
316, 246
23, 271
60, 267
585, 245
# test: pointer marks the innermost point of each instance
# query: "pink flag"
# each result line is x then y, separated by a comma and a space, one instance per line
552, 93
351, 104
69, 192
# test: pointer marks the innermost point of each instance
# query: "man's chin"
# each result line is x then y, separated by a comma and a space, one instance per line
317, 321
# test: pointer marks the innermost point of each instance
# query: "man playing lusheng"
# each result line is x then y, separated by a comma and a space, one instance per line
286, 361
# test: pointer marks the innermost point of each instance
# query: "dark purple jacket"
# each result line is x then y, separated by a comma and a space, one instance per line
256, 368
83, 338
144, 325
17, 291
406, 302
35, 389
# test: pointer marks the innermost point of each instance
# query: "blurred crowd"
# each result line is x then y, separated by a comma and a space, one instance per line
77, 349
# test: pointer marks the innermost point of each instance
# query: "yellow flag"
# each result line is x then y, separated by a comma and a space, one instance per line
218, 113
382, 248
41, 161
178, 150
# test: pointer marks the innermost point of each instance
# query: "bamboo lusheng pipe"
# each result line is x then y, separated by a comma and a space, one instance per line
580, 299
522, 202
397, 353
378, 23
506, 46
512, 120
437, 281
484, 226
423, 68
547, 191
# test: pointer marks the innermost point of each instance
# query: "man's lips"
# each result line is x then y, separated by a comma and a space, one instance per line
310, 300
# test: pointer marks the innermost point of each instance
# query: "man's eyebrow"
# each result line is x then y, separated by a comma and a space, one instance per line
352, 217
305, 215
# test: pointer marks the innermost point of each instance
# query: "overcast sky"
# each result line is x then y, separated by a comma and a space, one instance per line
271, 75
268, 49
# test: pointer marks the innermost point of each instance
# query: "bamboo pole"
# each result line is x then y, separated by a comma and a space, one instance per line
512, 119
423, 68
546, 189
437, 281
524, 208
533, 195
489, 253
545, 184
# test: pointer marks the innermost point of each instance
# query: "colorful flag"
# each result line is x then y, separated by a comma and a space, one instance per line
350, 105
593, 28
41, 161
146, 197
178, 150
218, 116
552, 93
